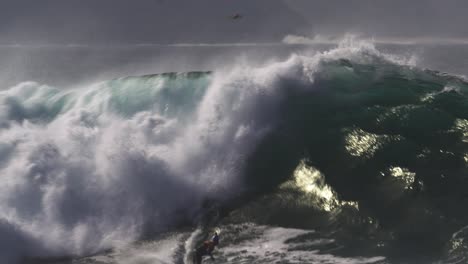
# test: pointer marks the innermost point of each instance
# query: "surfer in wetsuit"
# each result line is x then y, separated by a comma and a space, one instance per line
206, 249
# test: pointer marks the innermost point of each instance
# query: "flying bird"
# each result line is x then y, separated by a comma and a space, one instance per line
236, 16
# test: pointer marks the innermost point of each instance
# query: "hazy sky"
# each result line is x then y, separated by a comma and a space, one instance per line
176, 21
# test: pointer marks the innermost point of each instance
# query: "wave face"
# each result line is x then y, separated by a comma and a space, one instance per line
96, 167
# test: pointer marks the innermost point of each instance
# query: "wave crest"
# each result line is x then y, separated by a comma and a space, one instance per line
98, 167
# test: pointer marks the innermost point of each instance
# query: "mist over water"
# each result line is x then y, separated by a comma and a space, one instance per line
91, 159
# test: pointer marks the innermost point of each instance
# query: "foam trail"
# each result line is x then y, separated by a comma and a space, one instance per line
190, 244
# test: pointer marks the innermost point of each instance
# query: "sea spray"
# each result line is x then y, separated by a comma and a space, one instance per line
97, 167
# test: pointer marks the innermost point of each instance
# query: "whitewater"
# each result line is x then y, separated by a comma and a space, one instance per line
295, 160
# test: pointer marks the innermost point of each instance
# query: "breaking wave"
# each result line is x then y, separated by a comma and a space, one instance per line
92, 168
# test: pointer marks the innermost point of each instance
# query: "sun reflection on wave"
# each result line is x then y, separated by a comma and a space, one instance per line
311, 182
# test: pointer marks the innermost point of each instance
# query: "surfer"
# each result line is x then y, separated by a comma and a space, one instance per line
206, 249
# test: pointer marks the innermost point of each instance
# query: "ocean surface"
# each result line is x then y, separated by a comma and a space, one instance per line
347, 153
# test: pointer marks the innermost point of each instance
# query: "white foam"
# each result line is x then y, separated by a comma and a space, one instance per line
161, 251
272, 247
189, 244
